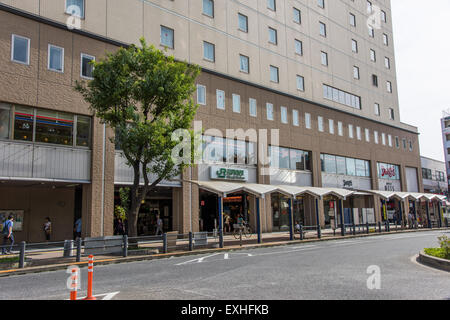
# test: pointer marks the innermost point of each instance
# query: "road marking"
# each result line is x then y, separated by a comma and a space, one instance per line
198, 260
107, 296
226, 256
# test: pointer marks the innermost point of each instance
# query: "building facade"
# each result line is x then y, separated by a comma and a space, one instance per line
434, 176
313, 71
445, 126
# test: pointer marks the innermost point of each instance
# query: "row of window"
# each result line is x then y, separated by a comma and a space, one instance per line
340, 95
345, 166
20, 53
428, 174
23, 123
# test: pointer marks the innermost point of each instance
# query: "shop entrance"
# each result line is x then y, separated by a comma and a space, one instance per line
233, 205
158, 202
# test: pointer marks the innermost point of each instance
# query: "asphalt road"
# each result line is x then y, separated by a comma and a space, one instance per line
326, 270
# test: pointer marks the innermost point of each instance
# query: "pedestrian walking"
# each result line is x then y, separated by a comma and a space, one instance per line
47, 228
7, 233
159, 225
77, 229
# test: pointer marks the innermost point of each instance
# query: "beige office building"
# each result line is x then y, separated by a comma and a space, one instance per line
315, 70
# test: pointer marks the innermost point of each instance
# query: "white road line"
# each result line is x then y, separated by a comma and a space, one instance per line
198, 260
107, 296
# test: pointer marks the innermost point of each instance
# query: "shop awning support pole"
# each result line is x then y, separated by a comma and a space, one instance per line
220, 223
291, 224
319, 235
401, 212
416, 225
341, 214
258, 219
427, 203
439, 214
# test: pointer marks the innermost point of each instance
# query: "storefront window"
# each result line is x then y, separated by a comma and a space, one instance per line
360, 168
351, 167
284, 158
240, 152
341, 167
213, 149
83, 131
23, 123
252, 158
297, 160
330, 164
4, 121
54, 127
388, 171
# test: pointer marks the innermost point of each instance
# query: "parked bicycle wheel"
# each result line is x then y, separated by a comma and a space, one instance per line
248, 232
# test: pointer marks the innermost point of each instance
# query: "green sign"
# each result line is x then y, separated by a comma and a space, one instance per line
229, 174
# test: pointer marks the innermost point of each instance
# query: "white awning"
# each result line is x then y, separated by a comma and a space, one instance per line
386, 195
223, 188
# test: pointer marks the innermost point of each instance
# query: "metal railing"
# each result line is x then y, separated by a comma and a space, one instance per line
70, 251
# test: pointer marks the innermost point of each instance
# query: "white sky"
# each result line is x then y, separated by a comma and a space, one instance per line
422, 50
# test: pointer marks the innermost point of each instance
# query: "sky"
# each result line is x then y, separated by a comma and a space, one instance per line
422, 50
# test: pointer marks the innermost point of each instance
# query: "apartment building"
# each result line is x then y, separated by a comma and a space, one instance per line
312, 69
434, 176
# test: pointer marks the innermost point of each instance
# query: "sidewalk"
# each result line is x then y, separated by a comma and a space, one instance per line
54, 260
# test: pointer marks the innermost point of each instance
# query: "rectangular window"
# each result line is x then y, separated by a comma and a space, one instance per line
274, 77
87, 68
308, 120
5, 120
220, 95
373, 56
352, 20
244, 64
350, 131
390, 140
23, 123
252, 107
300, 83
167, 36
75, 8
320, 123
375, 137
354, 46
342, 97
271, 4
322, 29
20, 49
83, 131
297, 16
269, 111
208, 51
273, 36
298, 47
331, 126
236, 103
295, 120
340, 128
208, 7
201, 94
356, 72
358, 133
389, 86
284, 118
54, 127
383, 139
377, 109
324, 58
243, 22
367, 133
55, 58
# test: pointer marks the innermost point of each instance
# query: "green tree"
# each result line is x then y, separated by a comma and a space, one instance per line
144, 96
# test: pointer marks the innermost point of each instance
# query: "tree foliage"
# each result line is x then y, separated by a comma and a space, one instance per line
144, 96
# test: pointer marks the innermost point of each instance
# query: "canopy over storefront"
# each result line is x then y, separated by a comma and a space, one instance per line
223, 188
387, 195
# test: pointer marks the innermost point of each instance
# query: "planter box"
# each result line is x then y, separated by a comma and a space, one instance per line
438, 263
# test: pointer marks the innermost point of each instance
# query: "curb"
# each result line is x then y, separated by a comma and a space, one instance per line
56, 267
434, 262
